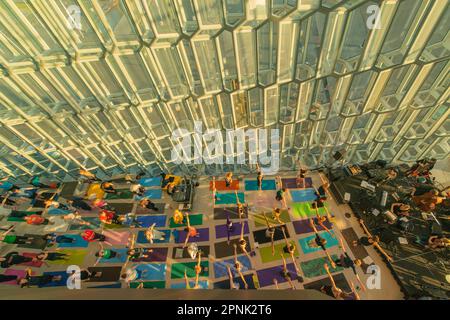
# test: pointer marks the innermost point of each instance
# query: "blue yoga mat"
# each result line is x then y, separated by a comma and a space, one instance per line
305, 242
142, 239
151, 194
120, 258
58, 211
229, 198
305, 195
203, 284
152, 271
150, 182
79, 242
147, 221
63, 282
220, 267
252, 185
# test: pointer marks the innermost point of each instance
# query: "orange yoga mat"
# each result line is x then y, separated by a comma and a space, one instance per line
220, 185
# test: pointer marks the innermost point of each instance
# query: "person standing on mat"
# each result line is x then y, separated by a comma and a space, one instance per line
336, 292
151, 234
110, 217
105, 254
346, 262
240, 206
91, 236
178, 217
270, 233
276, 215
229, 227
280, 197
290, 248
285, 273
13, 258
371, 241
238, 267
191, 232
228, 179
108, 187
243, 242
320, 242
148, 204
198, 269
137, 189
259, 178
214, 191
186, 280
301, 176
320, 222
233, 285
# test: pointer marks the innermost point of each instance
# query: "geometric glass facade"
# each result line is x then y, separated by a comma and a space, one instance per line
103, 84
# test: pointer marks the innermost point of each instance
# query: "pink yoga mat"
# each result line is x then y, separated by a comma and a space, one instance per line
14, 272
116, 237
36, 264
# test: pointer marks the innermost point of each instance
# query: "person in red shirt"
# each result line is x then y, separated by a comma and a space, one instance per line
191, 231
90, 236
110, 217
35, 219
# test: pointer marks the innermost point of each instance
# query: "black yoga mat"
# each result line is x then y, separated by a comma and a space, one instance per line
37, 243
108, 274
339, 279
221, 213
205, 252
122, 208
225, 284
260, 235
223, 249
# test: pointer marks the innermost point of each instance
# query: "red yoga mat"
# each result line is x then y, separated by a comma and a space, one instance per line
221, 186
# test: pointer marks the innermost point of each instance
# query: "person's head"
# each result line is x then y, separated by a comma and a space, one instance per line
283, 189
404, 207
357, 262
376, 239
326, 185
123, 276
100, 254
323, 241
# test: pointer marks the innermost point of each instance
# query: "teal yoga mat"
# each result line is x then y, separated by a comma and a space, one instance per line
229, 198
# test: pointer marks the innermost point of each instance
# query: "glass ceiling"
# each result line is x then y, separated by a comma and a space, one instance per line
106, 94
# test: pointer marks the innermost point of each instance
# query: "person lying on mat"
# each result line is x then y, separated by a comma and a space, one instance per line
301, 176
228, 179
238, 267
346, 262
110, 217
285, 273
259, 177
276, 215
137, 189
137, 253
52, 256
36, 220
108, 187
320, 242
30, 281
148, 204
233, 285
334, 291
55, 204
320, 221
105, 254
290, 248
270, 233
152, 234
171, 188
191, 232
53, 238
400, 209
178, 217
14, 239
77, 203
243, 242
13, 258
91, 236
74, 218
88, 175
371, 240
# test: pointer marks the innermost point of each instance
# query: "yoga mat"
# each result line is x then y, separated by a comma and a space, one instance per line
121, 256
304, 195
260, 235
220, 267
14, 272
314, 268
180, 236
308, 244
304, 226
156, 255
221, 186
152, 271
252, 185
59, 225
229, 198
121, 194
232, 212
147, 221
79, 242
261, 222
221, 230
142, 239
266, 252
225, 284
35, 264
149, 284
61, 283
266, 276
76, 257
178, 269
152, 194
37, 243
116, 238
339, 279
38, 203
223, 249
122, 208
291, 183
204, 249
194, 220
150, 182
68, 189
358, 251
202, 284
95, 190
303, 210
57, 211
108, 274
20, 219
142, 211
95, 223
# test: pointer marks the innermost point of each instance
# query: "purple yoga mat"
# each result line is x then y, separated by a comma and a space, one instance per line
14, 272
157, 255
203, 236
266, 276
291, 183
221, 230
304, 226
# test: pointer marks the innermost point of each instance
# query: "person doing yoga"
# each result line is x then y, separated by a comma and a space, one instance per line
270, 233
238, 267
290, 248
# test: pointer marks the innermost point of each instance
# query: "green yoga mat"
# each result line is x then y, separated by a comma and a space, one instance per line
76, 257
149, 284
178, 269
266, 253
121, 194
194, 220
261, 222
314, 268
303, 210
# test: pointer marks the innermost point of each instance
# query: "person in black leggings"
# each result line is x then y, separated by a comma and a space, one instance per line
52, 256
38, 281
13, 258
